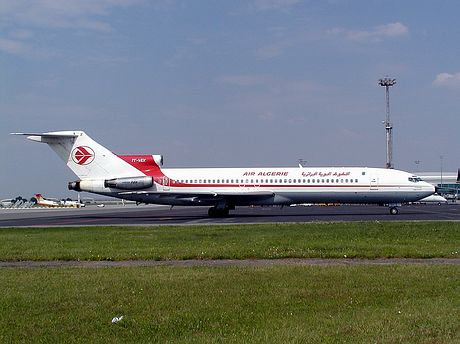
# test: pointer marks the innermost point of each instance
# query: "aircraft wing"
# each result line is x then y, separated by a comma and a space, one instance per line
204, 197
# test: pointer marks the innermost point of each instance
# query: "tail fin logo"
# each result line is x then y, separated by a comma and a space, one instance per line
83, 155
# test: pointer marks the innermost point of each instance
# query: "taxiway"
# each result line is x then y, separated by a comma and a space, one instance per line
161, 215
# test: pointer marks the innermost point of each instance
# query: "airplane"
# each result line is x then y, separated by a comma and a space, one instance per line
43, 202
142, 178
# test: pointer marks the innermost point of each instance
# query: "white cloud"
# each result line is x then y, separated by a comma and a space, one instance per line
272, 50
245, 80
392, 30
447, 80
13, 47
81, 14
265, 82
376, 34
20, 17
21, 34
263, 5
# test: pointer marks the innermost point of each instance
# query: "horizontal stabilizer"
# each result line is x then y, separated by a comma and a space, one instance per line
46, 137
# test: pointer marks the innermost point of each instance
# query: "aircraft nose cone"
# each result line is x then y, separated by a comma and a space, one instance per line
430, 188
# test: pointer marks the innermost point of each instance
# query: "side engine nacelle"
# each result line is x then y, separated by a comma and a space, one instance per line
87, 185
127, 183
130, 183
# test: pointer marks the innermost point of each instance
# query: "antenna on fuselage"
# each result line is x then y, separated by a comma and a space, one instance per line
302, 163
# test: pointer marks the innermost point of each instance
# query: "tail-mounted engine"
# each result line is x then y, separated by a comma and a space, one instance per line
131, 183
127, 183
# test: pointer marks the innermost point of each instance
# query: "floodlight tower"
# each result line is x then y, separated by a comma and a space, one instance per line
388, 82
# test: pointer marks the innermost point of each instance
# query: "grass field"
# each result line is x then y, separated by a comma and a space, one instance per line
282, 304
352, 240
265, 304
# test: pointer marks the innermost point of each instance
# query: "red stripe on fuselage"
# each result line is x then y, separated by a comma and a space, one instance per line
146, 165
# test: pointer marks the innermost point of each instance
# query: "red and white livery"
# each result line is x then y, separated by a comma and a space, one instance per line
142, 178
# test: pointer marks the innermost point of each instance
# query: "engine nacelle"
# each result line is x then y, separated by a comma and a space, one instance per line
87, 185
129, 183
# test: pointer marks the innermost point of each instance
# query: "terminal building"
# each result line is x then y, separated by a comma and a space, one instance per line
447, 184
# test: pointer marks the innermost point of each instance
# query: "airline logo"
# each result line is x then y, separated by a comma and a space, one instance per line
83, 155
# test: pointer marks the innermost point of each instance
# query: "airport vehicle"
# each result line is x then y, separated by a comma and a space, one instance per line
49, 203
142, 178
435, 198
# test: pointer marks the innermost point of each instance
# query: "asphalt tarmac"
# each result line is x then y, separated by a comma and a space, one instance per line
161, 215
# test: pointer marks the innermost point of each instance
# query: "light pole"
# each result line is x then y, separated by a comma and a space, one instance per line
388, 82
417, 163
441, 157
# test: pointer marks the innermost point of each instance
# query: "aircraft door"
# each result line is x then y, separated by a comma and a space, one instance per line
374, 183
166, 182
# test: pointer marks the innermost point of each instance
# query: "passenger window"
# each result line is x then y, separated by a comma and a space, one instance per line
356, 180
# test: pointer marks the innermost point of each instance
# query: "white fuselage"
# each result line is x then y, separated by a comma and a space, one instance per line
280, 186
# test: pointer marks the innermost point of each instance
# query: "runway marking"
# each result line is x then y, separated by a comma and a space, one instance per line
231, 262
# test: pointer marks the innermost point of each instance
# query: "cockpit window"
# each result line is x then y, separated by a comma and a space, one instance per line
415, 179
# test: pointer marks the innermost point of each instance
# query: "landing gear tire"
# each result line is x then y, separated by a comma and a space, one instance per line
216, 212
394, 211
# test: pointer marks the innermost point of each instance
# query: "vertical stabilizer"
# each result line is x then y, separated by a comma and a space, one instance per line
84, 156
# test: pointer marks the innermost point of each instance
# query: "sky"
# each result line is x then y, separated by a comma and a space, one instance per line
228, 83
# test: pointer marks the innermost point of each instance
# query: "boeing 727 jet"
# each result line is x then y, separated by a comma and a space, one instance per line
142, 178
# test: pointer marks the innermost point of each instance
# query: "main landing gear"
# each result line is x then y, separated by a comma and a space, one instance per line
218, 212
394, 211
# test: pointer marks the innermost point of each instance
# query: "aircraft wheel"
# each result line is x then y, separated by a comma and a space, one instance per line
394, 211
212, 212
215, 212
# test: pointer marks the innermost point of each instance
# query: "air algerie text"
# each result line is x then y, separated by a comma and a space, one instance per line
265, 174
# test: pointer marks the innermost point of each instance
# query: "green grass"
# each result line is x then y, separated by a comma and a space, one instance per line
272, 304
353, 240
